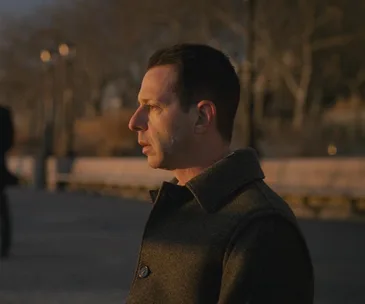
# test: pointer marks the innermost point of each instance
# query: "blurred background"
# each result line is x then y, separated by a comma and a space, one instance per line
70, 71
83, 62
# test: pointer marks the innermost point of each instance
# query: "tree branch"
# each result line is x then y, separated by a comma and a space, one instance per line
282, 68
308, 9
235, 27
306, 71
340, 40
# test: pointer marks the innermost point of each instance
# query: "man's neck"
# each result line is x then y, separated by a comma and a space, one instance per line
206, 161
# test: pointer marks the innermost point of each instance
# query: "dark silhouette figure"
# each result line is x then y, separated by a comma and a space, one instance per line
6, 179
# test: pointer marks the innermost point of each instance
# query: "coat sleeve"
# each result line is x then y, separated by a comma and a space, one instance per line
267, 262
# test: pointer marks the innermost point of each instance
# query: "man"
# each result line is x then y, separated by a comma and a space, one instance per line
217, 233
6, 178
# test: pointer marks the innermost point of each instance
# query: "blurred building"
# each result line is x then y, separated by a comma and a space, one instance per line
347, 114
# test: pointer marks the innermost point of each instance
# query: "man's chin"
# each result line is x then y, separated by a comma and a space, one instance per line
153, 162
157, 163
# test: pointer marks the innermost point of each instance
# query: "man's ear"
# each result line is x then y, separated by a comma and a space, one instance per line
207, 113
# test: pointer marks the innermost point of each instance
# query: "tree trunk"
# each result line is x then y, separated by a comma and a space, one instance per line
299, 109
95, 101
259, 98
240, 138
302, 91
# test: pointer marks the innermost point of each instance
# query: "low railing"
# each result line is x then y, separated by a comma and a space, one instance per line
318, 187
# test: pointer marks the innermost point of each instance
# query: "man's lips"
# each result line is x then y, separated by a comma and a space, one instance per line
145, 147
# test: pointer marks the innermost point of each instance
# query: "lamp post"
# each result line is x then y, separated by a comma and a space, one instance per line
64, 162
40, 169
67, 53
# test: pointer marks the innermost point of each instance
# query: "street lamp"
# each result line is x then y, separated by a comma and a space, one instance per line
64, 162
64, 49
40, 169
67, 53
45, 56
63, 58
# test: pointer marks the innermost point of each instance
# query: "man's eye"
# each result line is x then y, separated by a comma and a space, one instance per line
152, 107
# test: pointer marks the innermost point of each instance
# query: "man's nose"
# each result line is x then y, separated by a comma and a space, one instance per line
138, 121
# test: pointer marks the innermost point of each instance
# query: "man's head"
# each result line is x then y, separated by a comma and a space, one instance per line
188, 100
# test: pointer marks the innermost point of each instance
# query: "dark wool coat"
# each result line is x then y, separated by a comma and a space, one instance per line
224, 238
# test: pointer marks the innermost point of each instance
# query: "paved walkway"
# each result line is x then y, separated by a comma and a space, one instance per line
73, 248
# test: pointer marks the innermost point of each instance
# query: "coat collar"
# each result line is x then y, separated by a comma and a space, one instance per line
212, 187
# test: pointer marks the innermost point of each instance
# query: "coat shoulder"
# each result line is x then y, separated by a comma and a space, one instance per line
257, 200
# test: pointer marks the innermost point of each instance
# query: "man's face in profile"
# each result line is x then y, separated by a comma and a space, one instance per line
164, 130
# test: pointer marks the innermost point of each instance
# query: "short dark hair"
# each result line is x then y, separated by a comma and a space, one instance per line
204, 73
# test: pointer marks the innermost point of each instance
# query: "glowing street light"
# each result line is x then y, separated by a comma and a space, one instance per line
45, 56
64, 49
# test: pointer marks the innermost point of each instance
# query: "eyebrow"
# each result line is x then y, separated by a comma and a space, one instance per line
145, 101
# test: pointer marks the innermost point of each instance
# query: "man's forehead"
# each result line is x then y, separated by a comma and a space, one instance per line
158, 80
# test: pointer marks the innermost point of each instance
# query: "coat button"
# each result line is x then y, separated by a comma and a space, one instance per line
143, 272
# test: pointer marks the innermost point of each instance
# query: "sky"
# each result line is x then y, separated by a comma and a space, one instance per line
21, 7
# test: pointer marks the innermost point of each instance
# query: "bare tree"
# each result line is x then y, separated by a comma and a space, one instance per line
288, 36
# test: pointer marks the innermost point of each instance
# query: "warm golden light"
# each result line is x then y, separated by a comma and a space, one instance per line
64, 49
45, 56
332, 150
